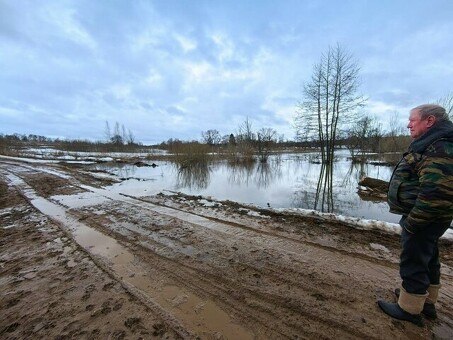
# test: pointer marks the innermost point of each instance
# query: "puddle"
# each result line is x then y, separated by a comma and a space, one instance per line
201, 316
292, 248
80, 200
443, 331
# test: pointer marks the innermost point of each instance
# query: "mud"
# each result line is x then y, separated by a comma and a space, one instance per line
80, 260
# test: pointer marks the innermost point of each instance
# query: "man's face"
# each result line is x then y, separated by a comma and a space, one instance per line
418, 126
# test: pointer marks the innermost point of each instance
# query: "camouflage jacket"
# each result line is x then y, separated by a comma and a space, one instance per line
421, 186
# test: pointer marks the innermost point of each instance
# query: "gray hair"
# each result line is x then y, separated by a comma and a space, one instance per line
435, 110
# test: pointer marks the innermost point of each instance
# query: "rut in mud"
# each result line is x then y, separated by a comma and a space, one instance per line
183, 268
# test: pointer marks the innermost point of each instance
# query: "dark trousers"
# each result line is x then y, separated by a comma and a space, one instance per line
419, 260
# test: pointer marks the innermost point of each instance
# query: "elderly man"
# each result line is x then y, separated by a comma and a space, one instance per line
421, 190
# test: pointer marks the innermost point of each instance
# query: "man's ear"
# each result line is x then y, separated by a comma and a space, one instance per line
430, 121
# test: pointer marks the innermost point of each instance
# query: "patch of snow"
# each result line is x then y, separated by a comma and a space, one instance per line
47, 161
56, 173
207, 203
10, 226
101, 175
170, 193
58, 154
80, 200
71, 264
356, 222
38, 150
257, 214
253, 213
377, 246
5, 212
13, 180
28, 160
132, 187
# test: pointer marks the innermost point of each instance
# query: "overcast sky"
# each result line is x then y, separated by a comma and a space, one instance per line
171, 69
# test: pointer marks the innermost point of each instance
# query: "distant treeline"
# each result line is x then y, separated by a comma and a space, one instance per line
384, 144
21, 140
236, 148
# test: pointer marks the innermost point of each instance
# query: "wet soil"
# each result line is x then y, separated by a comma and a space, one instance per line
81, 260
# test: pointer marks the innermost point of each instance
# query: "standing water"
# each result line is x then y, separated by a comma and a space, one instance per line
285, 181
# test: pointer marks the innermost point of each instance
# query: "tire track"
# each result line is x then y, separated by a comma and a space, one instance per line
291, 298
120, 263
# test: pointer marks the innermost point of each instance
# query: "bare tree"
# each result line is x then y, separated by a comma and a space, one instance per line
116, 138
244, 141
330, 99
245, 133
375, 136
396, 128
130, 138
265, 139
364, 136
231, 140
395, 134
123, 133
211, 137
447, 103
107, 132
120, 135
330, 104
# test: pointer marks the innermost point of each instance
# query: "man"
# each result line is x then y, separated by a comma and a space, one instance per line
421, 190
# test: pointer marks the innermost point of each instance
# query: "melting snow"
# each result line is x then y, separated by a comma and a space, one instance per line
356, 222
377, 246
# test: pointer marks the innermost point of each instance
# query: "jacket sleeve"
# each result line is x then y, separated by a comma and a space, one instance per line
434, 203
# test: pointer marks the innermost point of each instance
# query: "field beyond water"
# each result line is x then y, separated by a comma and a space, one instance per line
80, 258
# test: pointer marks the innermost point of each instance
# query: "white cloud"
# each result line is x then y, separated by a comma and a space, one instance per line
199, 72
165, 69
9, 112
378, 108
62, 20
149, 37
186, 43
121, 91
154, 78
226, 47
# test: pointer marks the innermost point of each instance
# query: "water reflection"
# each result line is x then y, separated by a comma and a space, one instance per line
334, 188
286, 181
266, 174
240, 173
194, 176
324, 192
357, 171
254, 173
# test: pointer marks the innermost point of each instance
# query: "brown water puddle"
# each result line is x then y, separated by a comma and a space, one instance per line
287, 246
199, 315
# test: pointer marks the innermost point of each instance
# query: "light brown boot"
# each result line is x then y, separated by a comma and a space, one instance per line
429, 309
412, 303
433, 292
408, 308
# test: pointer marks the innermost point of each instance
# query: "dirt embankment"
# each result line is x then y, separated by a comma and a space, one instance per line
80, 260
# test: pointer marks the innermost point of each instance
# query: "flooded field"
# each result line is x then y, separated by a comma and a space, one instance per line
87, 256
285, 181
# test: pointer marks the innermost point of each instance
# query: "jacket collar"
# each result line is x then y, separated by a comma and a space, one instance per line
440, 130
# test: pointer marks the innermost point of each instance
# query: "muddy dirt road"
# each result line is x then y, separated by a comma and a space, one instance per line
80, 259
